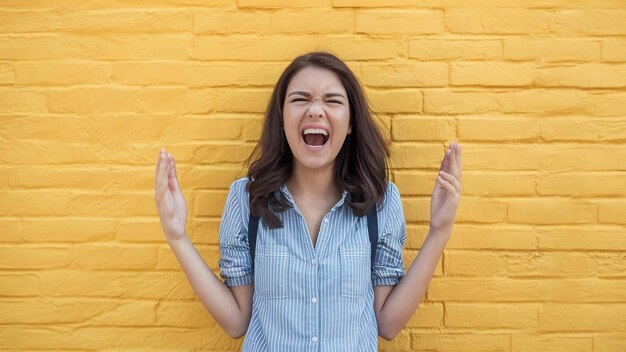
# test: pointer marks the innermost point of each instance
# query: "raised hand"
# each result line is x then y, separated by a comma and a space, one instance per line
169, 199
447, 193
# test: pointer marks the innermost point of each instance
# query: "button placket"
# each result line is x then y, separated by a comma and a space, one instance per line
314, 308
322, 236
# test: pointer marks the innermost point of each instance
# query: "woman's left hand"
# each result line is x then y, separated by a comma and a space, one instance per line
447, 193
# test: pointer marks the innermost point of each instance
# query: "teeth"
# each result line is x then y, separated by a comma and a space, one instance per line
315, 130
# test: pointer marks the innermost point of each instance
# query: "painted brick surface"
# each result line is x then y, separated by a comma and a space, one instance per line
535, 91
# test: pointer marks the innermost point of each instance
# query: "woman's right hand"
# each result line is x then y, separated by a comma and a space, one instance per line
169, 199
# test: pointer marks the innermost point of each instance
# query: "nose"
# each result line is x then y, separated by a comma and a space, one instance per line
315, 110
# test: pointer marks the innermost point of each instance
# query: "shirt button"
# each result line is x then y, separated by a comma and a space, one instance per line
314, 338
326, 220
313, 299
314, 262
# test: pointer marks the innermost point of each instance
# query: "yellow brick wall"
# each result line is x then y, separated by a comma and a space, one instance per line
535, 91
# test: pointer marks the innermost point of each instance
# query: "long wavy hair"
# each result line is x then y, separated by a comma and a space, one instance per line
360, 167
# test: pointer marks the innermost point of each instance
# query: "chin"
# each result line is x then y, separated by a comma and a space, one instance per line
315, 162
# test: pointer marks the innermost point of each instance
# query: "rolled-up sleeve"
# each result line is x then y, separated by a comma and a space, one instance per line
388, 266
235, 264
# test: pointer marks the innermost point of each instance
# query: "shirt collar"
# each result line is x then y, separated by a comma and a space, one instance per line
285, 191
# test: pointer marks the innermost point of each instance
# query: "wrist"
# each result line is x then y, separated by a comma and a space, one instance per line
441, 232
177, 240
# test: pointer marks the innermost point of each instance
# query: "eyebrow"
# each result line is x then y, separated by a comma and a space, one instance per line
308, 94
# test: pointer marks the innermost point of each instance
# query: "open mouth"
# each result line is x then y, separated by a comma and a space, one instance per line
315, 137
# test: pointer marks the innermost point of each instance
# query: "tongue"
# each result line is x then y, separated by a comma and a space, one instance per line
314, 139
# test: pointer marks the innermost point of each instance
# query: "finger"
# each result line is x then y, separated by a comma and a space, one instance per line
453, 163
172, 175
445, 161
445, 184
450, 178
161, 181
458, 147
156, 171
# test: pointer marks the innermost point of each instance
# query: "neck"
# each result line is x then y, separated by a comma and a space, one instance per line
313, 183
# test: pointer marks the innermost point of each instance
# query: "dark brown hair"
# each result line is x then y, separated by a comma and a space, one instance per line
360, 167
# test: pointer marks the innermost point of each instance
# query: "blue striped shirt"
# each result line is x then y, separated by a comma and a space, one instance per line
312, 298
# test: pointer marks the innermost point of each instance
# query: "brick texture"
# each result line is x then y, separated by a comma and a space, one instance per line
535, 91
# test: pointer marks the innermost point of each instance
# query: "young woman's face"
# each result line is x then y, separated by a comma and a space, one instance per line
316, 117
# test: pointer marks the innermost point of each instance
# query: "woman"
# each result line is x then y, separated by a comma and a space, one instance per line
318, 168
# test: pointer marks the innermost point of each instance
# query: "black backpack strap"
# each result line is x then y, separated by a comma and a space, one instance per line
372, 228
253, 225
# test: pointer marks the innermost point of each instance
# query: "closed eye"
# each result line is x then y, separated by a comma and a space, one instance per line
330, 101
